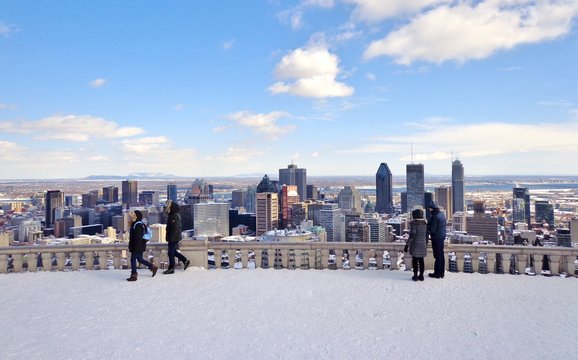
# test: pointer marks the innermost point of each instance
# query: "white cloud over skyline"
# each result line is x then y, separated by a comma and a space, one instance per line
472, 31
313, 72
262, 123
76, 128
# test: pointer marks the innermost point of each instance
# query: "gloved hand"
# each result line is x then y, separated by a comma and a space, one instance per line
406, 248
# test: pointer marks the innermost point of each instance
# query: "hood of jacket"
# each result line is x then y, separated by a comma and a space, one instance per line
138, 215
433, 205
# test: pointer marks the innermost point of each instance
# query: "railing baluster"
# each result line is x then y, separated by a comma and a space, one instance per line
74, 260
17, 262
89, 259
4, 264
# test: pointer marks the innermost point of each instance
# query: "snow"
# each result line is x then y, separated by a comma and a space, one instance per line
286, 314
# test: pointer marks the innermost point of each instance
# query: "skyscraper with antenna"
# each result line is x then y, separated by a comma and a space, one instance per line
458, 187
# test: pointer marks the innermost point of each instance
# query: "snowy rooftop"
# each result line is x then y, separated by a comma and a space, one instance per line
299, 314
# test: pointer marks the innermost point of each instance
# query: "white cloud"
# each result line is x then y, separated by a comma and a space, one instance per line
7, 29
219, 129
7, 107
477, 141
178, 107
262, 123
370, 76
327, 4
315, 154
378, 10
10, 151
475, 30
235, 155
228, 44
71, 128
144, 145
313, 70
96, 83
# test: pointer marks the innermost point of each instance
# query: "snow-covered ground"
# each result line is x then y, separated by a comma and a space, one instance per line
284, 314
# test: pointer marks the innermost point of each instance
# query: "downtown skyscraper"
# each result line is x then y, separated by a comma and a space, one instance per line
521, 205
294, 176
458, 189
415, 183
130, 193
384, 190
54, 200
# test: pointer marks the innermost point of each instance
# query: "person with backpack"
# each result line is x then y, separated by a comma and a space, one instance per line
174, 237
137, 245
417, 243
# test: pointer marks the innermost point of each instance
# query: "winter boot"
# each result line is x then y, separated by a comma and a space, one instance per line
169, 271
154, 270
133, 277
187, 263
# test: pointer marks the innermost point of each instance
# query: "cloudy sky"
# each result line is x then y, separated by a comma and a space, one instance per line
215, 88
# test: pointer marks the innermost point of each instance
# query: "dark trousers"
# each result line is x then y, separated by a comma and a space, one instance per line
438, 253
134, 257
417, 263
173, 246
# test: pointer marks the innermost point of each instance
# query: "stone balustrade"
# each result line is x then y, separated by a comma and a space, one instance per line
466, 258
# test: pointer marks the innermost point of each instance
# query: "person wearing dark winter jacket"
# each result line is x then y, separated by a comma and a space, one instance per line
437, 233
417, 243
174, 236
137, 245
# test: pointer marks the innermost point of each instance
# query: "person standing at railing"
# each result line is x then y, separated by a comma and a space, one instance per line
137, 245
437, 232
417, 243
174, 237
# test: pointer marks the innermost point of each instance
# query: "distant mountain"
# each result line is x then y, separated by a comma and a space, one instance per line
134, 176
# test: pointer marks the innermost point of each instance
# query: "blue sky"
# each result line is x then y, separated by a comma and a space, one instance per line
216, 88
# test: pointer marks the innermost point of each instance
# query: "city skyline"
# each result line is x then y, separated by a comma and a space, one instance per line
334, 86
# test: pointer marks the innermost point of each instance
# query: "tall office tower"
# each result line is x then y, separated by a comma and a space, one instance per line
266, 185
313, 212
350, 200
563, 237
333, 221
172, 192
289, 196
250, 203
130, 193
211, 219
200, 186
384, 190
544, 212
298, 213
482, 224
110, 194
377, 229
294, 176
89, 200
403, 201
54, 200
149, 197
357, 231
458, 190
521, 205
267, 212
68, 200
443, 196
415, 184
573, 226
312, 192
27, 229
238, 198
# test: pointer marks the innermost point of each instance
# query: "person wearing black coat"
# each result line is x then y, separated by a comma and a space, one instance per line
137, 245
437, 233
174, 236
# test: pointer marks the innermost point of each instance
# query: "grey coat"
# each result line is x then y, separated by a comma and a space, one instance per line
417, 240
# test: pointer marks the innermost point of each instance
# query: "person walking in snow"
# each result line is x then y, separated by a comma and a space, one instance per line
437, 233
417, 243
137, 245
174, 236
